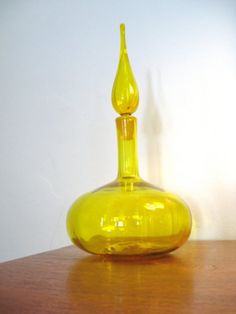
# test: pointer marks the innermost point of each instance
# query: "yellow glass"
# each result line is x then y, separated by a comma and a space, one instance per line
128, 217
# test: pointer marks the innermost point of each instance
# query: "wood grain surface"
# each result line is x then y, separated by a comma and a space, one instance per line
200, 277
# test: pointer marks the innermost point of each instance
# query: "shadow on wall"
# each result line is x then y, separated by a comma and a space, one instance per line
154, 125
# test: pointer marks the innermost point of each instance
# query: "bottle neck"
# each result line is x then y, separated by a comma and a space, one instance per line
127, 147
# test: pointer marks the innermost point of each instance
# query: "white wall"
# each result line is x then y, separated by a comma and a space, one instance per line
57, 64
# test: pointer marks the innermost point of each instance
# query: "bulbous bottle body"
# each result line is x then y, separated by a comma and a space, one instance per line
129, 217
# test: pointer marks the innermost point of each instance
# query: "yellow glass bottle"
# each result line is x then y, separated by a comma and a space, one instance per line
129, 216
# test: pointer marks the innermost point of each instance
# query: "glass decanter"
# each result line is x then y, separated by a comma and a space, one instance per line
128, 217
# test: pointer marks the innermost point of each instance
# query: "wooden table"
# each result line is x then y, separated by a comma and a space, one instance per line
198, 278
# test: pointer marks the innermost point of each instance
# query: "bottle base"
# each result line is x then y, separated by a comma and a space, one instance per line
132, 246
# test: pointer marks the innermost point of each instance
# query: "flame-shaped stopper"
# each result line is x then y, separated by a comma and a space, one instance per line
125, 95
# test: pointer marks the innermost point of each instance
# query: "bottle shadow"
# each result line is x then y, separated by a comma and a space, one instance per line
156, 118
152, 128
